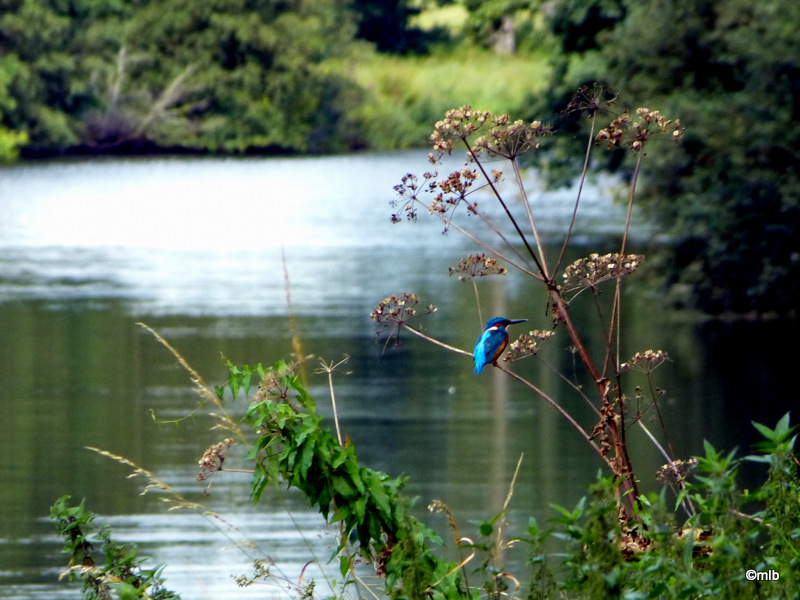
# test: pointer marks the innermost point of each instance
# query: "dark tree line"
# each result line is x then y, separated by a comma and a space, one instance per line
730, 193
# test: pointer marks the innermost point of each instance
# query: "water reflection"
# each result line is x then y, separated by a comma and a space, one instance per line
194, 248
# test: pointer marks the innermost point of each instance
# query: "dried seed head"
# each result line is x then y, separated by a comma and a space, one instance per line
213, 458
623, 131
511, 140
395, 311
590, 271
478, 265
677, 471
528, 344
646, 361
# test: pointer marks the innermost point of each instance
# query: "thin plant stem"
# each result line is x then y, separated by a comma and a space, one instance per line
499, 546
478, 302
585, 170
297, 346
542, 394
329, 368
437, 342
686, 503
535, 229
634, 180
497, 195
572, 384
494, 251
486, 246
202, 389
617, 309
490, 225
658, 412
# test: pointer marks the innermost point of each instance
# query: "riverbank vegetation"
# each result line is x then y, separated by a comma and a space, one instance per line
737, 543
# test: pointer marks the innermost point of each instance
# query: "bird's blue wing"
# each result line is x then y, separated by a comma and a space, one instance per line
479, 353
489, 347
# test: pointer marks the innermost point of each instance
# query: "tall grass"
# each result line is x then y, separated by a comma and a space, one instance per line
405, 94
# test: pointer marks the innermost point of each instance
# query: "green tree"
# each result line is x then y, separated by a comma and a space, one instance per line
729, 194
222, 75
10, 140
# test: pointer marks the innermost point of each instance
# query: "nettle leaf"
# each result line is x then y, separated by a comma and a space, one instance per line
247, 375
233, 382
355, 473
344, 565
379, 497
360, 509
369, 530
309, 426
322, 498
306, 456
341, 455
340, 514
343, 487
288, 456
260, 481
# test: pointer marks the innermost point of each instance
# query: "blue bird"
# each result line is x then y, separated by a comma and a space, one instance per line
492, 342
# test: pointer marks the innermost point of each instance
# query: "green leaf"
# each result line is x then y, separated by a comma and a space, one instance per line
344, 565
782, 428
486, 528
356, 474
533, 526
570, 516
343, 488
233, 381
709, 450
340, 514
247, 375
306, 457
765, 431
324, 500
260, 481
688, 548
360, 509
374, 526
340, 455
381, 499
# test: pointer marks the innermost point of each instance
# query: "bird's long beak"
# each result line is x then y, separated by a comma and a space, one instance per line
517, 321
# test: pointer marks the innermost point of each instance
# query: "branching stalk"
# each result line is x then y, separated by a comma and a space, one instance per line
528, 209
499, 197
542, 394
589, 146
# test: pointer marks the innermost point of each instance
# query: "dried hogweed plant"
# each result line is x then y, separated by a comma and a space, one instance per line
474, 266
487, 137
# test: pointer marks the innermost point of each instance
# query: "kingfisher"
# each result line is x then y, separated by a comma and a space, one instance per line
492, 342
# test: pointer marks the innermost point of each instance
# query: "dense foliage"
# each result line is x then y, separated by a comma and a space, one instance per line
730, 69
216, 75
120, 573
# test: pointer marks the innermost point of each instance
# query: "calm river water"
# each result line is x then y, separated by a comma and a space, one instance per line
200, 250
